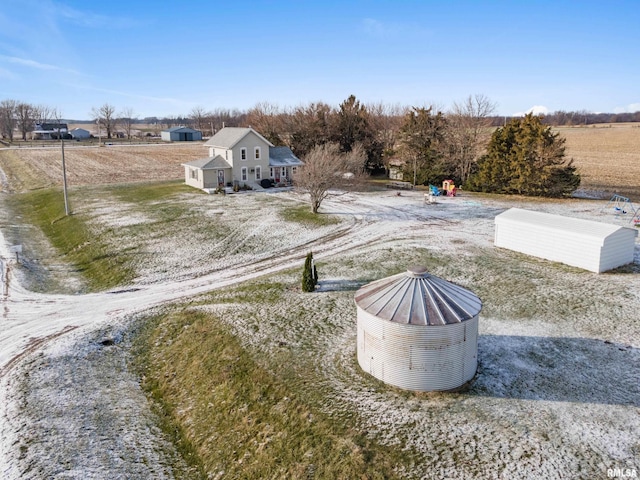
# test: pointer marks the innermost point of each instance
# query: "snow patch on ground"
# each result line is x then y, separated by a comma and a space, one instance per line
557, 392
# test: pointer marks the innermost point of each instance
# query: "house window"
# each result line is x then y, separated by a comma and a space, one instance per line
193, 173
271, 172
294, 170
258, 173
243, 153
244, 174
284, 172
257, 153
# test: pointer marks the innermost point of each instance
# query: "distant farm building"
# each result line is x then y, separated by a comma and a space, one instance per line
181, 134
395, 166
417, 331
586, 244
49, 131
79, 134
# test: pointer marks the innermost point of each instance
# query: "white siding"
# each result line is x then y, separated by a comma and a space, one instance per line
594, 246
618, 249
418, 357
189, 173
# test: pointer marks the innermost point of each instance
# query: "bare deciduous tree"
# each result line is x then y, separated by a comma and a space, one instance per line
309, 126
386, 122
106, 117
266, 118
42, 114
25, 113
328, 171
8, 118
469, 132
200, 118
127, 119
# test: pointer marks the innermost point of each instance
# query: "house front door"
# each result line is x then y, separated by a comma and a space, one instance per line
221, 178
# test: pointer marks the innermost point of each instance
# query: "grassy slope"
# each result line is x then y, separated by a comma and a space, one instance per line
238, 415
91, 254
70, 235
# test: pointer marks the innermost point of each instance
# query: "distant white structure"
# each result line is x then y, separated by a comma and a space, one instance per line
79, 134
586, 244
417, 331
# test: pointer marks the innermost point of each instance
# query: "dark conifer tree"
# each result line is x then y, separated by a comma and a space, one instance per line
525, 157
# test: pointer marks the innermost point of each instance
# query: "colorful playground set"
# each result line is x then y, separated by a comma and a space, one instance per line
448, 189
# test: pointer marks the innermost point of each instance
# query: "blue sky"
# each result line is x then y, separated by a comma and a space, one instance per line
166, 57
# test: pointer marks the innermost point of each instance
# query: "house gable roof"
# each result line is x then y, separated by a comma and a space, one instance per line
283, 157
229, 137
209, 163
50, 127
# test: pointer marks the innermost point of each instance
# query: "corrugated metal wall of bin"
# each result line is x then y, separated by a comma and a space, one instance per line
418, 332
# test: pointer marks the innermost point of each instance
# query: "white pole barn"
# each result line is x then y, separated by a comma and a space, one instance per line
586, 244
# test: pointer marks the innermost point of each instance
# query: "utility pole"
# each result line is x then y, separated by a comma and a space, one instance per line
64, 175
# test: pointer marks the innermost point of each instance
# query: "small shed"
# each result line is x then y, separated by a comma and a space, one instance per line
417, 331
180, 134
79, 133
586, 244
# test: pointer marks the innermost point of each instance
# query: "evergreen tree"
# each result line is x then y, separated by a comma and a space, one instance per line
315, 273
421, 142
525, 157
308, 284
352, 127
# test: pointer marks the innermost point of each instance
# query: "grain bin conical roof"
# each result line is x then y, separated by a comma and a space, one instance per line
418, 298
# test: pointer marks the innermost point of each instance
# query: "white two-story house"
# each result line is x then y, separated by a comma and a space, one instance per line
241, 156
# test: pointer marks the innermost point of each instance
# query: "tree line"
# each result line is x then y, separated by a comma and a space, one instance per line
424, 144
20, 118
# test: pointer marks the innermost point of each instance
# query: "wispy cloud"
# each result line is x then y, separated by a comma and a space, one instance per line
167, 100
378, 29
85, 18
25, 62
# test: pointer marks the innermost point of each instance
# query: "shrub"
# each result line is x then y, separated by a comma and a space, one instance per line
308, 281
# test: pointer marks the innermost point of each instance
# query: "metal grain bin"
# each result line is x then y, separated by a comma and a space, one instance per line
417, 331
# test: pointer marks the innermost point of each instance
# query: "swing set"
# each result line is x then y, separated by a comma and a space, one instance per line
622, 205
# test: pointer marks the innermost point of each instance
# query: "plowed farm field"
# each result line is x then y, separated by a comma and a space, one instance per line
607, 157
30, 168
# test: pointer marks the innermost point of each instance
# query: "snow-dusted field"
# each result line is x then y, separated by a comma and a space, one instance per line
557, 392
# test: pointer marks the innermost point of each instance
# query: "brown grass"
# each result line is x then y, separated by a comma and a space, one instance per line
607, 157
